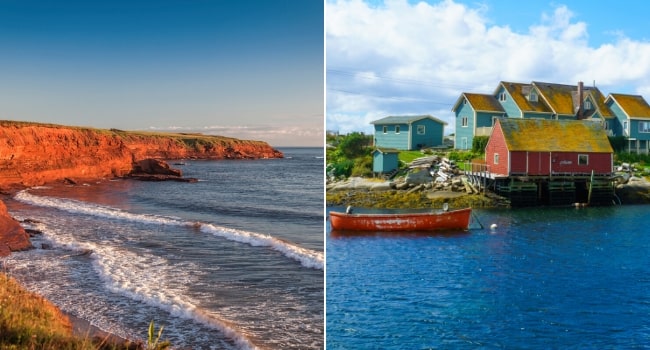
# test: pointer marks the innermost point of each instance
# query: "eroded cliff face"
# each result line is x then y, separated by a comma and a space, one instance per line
33, 154
12, 236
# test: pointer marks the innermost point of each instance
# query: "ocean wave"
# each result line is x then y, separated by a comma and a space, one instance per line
139, 277
307, 257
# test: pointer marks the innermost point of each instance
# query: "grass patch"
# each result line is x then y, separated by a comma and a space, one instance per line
28, 321
408, 156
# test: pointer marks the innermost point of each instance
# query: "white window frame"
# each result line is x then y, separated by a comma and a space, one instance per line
385, 129
587, 105
422, 130
502, 97
496, 158
396, 129
582, 157
532, 96
625, 128
644, 127
464, 122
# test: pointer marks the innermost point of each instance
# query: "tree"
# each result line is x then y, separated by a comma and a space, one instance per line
354, 145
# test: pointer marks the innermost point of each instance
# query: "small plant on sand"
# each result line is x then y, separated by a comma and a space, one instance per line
155, 343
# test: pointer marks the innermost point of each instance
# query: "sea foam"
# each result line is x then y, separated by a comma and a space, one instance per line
306, 257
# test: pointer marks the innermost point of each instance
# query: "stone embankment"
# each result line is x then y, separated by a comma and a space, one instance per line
35, 154
415, 191
421, 192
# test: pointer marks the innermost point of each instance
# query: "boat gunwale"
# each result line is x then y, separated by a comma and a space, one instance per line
380, 215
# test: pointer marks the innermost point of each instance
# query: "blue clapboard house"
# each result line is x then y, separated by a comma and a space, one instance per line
408, 132
476, 114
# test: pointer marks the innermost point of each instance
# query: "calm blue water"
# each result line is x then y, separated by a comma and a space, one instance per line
543, 279
234, 261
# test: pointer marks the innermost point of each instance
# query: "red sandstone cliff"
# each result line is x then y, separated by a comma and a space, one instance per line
12, 236
33, 154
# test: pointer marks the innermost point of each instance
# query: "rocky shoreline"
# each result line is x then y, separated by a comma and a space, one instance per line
37, 154
376, 193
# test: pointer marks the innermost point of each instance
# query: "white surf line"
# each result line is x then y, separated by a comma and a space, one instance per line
307, 257
116, 270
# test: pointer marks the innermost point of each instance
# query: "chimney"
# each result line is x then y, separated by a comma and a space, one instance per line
581, 103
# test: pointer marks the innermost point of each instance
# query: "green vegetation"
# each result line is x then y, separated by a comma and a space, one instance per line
155, 343
350, 155
406, 157
402, 199
28, 321
479, 143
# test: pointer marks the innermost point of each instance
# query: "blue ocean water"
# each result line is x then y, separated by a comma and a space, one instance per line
234, 261
545, 278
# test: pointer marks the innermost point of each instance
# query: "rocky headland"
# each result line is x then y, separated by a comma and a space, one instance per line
34, 154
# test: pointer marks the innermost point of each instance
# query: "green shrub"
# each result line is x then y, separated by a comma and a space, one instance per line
479, 143
362, 167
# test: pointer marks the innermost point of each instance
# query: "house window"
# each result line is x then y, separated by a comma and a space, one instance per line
496, 158
625, 127
385, 130
587, 105
644, 127
583, 159
532, 97
502, 96
494, 119
463, 122
421, 130
397, 129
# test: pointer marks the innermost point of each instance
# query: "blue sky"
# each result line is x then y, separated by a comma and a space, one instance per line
247, 69
399, 57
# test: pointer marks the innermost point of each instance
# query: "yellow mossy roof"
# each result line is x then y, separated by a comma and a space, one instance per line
483, 102
558, 96
516, 91
599, 99
542, 135
634, 106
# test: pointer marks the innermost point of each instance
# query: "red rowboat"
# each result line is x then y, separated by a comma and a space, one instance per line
443, 220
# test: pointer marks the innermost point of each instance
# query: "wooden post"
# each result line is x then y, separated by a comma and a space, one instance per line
591, 184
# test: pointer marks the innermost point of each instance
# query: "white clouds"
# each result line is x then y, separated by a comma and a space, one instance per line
402, 58
290, 135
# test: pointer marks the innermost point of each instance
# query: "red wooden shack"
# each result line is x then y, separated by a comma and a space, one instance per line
541, 147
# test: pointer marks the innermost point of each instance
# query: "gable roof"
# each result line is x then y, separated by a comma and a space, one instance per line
406, 119
542, 135
634, 106
562, 99
480, 102
599, 104
519, 93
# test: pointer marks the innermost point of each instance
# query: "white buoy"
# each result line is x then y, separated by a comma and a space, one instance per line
493, 226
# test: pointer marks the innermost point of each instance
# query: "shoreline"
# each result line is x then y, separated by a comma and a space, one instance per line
81, 328
372, 193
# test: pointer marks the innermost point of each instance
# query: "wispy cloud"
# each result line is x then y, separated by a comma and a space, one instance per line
404, 58
290, 135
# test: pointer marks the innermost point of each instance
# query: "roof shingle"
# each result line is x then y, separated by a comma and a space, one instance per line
541, 135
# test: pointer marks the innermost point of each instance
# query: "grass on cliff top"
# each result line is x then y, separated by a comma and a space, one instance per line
187, 138
28, 321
